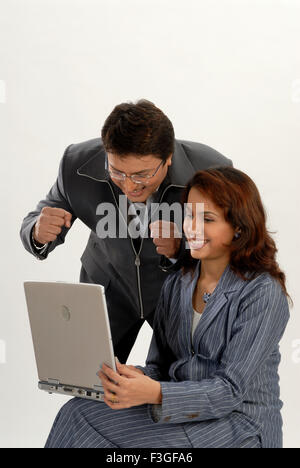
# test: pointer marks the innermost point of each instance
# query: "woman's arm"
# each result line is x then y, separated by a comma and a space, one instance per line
255, 334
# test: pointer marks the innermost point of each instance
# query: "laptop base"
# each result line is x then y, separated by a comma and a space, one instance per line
69, 390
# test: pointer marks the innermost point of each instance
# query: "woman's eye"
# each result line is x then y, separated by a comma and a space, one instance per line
190, 216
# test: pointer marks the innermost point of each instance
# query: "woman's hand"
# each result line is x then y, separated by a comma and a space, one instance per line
129, 387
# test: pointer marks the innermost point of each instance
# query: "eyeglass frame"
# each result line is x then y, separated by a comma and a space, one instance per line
131, 177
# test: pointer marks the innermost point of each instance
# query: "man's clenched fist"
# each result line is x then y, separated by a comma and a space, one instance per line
49, 224
166, 237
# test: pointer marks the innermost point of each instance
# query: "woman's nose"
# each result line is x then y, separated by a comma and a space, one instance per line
194, 228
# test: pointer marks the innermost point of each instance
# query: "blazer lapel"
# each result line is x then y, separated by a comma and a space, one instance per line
211, 311
228, 283
185, 310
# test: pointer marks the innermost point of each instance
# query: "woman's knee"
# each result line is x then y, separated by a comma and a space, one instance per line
71, 408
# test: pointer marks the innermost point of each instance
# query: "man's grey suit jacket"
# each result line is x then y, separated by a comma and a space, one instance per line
132, 289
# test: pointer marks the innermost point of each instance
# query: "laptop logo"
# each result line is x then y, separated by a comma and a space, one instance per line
65, 312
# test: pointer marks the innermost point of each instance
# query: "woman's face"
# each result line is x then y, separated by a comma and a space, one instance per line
206, 229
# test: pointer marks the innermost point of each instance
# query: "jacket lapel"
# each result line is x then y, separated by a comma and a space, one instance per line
185, 311
228, 283
211, 311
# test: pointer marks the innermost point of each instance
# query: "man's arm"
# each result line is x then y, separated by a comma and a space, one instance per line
56, 198
170, 265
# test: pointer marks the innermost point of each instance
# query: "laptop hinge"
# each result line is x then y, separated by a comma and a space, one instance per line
53, 381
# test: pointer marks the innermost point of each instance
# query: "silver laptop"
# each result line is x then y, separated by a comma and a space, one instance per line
71, 336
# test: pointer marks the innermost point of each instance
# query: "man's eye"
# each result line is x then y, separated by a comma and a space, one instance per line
113, 171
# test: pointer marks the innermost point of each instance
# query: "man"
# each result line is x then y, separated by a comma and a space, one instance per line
139, 158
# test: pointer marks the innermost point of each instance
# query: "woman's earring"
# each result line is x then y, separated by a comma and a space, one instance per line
237, 235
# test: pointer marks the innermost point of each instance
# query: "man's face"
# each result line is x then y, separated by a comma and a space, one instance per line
139, 166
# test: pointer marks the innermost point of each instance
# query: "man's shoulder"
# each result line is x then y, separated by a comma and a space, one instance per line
84, 154
86, 148
203, 156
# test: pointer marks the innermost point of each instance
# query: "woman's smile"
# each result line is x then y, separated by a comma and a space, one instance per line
197, 244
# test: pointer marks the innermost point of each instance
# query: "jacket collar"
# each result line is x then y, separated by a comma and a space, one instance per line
94, 168
181, 169
179, 173
228, 282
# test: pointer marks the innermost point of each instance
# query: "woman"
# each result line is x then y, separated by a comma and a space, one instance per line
211, 377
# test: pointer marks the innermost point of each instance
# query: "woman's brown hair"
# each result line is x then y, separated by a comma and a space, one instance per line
254, 251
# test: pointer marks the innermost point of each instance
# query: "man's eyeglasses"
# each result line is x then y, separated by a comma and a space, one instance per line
136, 178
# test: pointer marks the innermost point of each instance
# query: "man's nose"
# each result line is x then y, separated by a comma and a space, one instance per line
129, 185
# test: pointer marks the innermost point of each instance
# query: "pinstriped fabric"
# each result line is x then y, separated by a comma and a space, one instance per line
220, 386
87, 424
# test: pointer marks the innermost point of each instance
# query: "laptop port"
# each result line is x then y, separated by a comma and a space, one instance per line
88, 393
67, 389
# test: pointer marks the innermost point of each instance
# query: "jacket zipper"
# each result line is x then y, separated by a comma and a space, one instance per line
137, 254
138, 258
138, 264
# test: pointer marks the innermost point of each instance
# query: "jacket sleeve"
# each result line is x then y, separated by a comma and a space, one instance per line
56, 198
255, 335
169, 266
160, 356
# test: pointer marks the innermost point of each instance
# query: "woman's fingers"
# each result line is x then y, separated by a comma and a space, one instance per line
107, 383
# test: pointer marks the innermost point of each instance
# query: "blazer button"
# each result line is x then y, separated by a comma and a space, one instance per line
192, 416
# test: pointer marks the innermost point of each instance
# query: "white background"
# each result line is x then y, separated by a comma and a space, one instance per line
226, 72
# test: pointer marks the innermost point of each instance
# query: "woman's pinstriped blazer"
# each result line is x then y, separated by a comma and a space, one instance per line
227, 375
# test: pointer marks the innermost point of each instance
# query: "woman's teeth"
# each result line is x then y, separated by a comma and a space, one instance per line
197, 244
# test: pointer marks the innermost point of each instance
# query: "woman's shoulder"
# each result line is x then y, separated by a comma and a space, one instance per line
174, 286
263, 288
179, 279
173, 279
262, 281
251, 288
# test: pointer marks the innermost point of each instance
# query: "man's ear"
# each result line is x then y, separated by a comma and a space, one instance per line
169, 160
